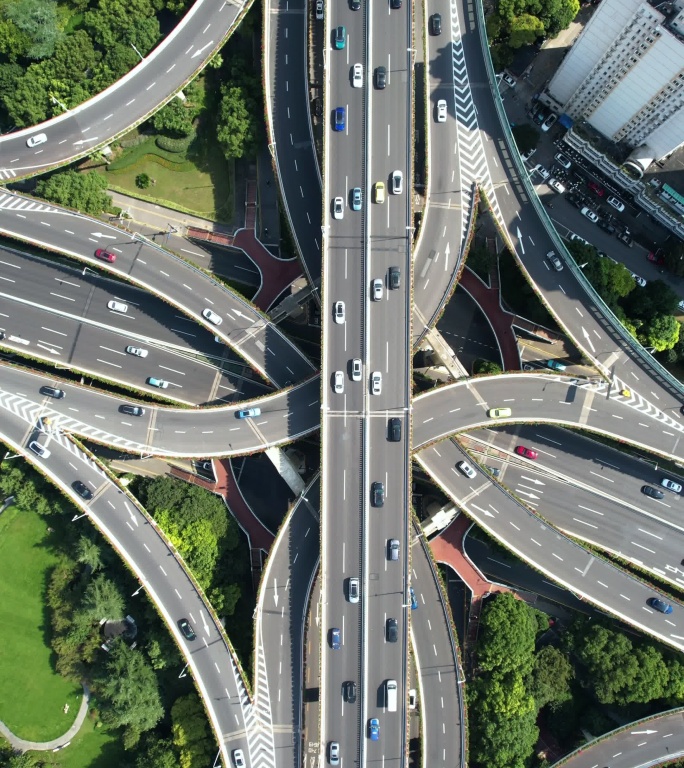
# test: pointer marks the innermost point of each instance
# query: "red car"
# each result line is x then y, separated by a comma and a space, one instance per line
101, 253
657, 257
594, 187
528, 453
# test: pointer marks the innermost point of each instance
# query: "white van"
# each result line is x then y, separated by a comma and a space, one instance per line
391, 695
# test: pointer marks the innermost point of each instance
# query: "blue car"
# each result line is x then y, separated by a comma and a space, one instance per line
414, 601
340, 38
374, 729
340, 121
356, 199
335, 639
248, 413
660, 605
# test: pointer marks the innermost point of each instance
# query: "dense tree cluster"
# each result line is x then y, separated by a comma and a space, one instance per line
573, 680
515, 23
648, 312
55, 55
84, 192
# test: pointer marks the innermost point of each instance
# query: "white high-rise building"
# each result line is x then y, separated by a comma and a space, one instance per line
625, 76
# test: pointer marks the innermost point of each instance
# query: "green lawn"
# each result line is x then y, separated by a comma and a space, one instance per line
32, 694
199, 180
91, 748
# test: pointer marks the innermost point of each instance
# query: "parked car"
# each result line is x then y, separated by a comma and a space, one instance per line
591, 215
671, 485
319, 10
509, 80
525, 156
574, 237
626, 238
596, 188
640, 281
555, 365
616, 203
556, 185
549, 122
606, 226
562, 160
539, 168
657, 257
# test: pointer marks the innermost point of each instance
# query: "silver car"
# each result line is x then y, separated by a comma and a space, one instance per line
555, 262
393, 549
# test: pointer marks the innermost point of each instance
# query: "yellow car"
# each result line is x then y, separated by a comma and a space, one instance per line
498, 413
379, 192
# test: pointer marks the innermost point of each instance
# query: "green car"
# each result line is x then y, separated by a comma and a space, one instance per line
554, 365
340, 37
498, 413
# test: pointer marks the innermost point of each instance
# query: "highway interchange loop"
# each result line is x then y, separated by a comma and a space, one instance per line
479, 142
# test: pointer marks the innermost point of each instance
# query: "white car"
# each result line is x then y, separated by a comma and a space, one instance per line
561, 159
591, 215
211, 316
137, 351
527, 155
397, 182
338, 208
441, 111
467, 470
356, 369
671, 485
556, 185
319, 10
353, 590
616, 203
539, 168
556, 263
412, 698
376, 289
117, 306
239, 758
508, 79
339, 382
34, 141
376, 383
338, 312
550, 120
357, 75
577, 238
639, 280
41, 450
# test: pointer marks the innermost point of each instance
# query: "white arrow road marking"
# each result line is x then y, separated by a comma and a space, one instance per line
275, 591
586, 336
102, 234
447, 251
532, 480
519, 236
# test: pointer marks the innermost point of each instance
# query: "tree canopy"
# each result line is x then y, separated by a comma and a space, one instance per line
84, 192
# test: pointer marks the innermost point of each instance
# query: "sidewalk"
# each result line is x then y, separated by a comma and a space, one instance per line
501, 321
61, 741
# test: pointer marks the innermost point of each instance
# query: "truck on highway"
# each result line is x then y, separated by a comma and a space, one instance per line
391, 695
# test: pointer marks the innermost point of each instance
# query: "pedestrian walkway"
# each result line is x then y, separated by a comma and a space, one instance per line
488, 299
61, 741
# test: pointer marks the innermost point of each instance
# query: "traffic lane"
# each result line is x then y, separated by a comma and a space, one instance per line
592, 406
165, 431
630, 527
588, 461
541, 545
341, 560
159, 571
124, 103
654, 740
387, 586
283, 598
437, 684
183, 285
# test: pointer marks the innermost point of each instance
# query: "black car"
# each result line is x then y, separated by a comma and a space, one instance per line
380, 78
395, 4
394, 278
132, 410
394, 430
82, 490
606, 226
58, 394
378, 494
187, 630
355, 5
654, 493
392, 630
436, 24
349, 691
